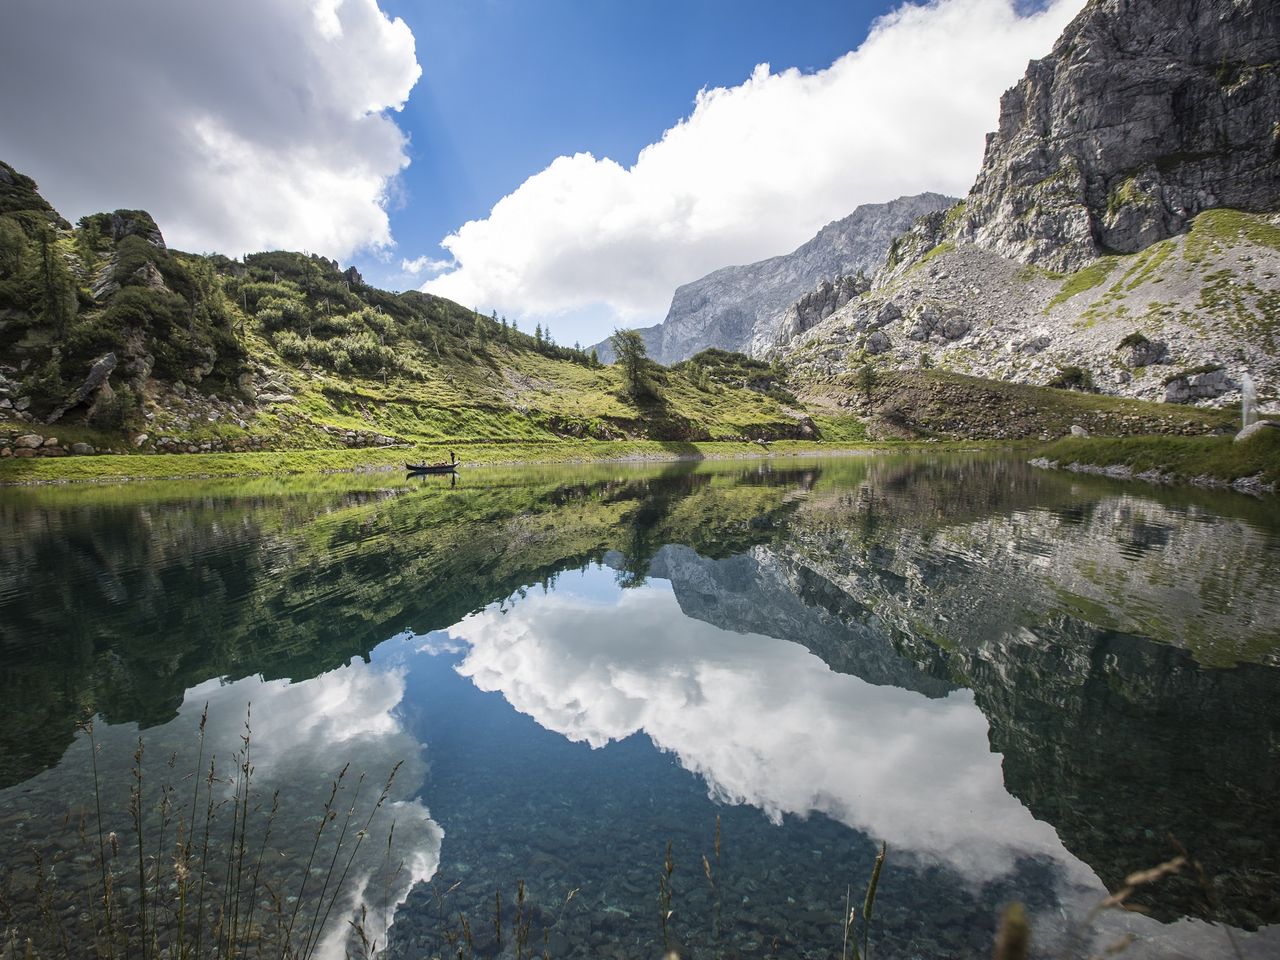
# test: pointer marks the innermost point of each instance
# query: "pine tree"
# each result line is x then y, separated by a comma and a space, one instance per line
632, 358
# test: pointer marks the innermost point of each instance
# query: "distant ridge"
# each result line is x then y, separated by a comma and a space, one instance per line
730, 307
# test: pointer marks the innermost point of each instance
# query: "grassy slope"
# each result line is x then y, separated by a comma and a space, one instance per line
935, 403
1185, 458
284, 350
513, 395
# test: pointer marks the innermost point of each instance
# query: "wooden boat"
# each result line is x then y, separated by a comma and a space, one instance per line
447, 467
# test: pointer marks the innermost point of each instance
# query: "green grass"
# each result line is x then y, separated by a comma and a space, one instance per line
206, 465
947, 405
1145, 265
835, 428
1219, 458
945, 247
1215, 229
1083, 280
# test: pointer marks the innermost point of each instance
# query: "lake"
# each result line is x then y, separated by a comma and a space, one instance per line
632, 708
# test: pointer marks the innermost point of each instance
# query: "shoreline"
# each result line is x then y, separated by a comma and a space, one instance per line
1251, 466
133, 468
1120, 471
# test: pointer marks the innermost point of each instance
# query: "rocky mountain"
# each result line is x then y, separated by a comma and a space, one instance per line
1123, 233
734, 307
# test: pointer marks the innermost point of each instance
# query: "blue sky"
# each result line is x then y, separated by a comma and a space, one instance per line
507, 86
583, 158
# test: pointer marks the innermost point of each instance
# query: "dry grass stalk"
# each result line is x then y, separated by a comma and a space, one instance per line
1013, 938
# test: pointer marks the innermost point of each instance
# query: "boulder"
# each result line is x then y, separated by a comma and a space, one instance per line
955, 327
29, 441
887, 314
1260, 426
1031, 345
24, 452
21, 404
1147, 352
878, 342
98, 374
1078, 431
82, 449
1205, 385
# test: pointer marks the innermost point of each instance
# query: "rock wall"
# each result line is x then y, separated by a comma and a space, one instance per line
1146, 113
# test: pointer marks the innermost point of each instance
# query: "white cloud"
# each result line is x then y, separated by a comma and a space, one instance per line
424, 264
240, 125
756, 169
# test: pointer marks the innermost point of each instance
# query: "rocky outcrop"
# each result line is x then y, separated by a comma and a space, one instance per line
1145, 114
19, 194
98, 374
808, 312
1169, 316
131, 223
737, 308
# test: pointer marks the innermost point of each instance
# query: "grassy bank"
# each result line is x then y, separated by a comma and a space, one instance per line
945, 405
179, 466
1218, 460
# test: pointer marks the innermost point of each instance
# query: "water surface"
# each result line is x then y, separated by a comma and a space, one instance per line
1027, 685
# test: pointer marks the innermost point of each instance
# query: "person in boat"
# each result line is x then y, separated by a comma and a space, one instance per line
452, 458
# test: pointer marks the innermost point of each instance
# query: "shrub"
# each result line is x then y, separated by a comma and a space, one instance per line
274, 312
254, 291
116, 413
1073, 378
290, 345
1134, 339
133, 253
44, 386
365, 351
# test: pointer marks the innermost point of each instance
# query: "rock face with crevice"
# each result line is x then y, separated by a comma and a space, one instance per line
1145, 114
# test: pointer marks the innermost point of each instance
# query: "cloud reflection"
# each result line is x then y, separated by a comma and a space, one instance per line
302, 736
763, 721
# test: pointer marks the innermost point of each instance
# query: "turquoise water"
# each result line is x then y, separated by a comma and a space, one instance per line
1026, 685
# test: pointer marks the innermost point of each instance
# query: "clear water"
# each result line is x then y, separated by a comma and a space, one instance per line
1027, 685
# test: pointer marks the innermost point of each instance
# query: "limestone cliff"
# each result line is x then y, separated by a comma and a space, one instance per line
1145, 114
